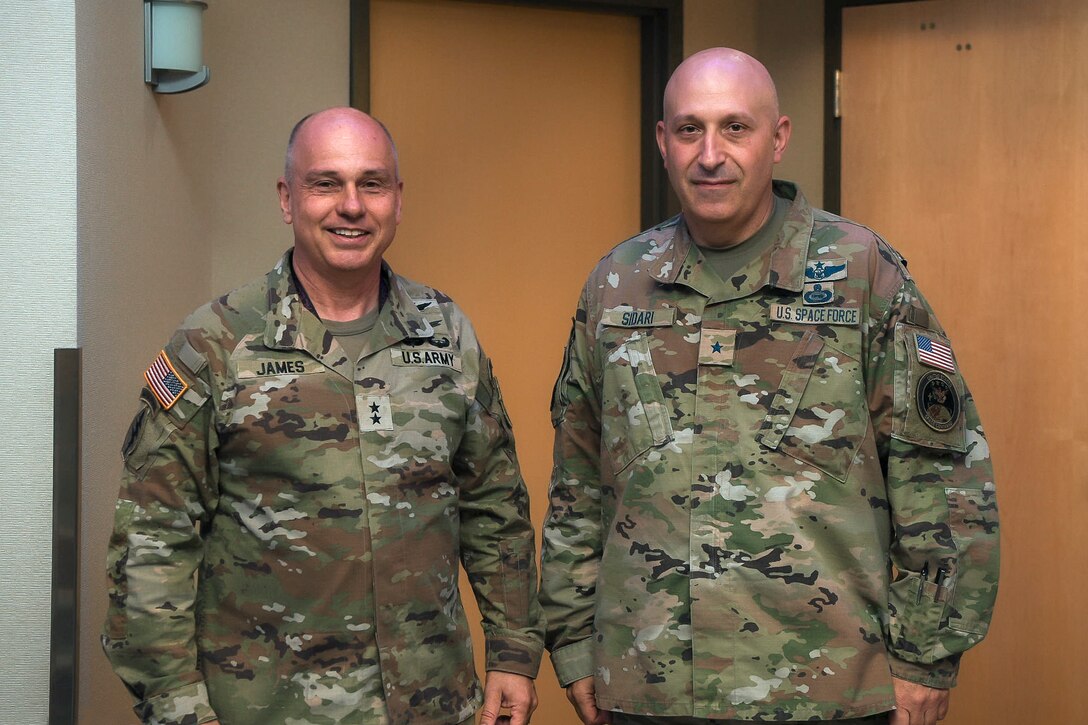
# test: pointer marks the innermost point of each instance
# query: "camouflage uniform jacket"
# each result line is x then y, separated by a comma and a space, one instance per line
750, 517
323, 506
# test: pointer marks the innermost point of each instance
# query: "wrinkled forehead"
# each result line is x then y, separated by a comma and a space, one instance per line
325, 140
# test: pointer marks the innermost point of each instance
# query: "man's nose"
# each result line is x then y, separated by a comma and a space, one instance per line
711, 151
351, 202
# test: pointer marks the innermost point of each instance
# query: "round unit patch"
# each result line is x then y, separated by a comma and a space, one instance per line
938, 403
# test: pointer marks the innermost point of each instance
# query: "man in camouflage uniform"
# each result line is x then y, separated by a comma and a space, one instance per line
772, 498
313, 454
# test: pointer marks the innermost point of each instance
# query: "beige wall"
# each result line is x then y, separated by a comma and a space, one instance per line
788, 36
38, 297
176, 203
711, 23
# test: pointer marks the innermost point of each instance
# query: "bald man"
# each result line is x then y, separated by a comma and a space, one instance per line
772, 498
313, 455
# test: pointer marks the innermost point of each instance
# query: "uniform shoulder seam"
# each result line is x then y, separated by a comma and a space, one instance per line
643, 237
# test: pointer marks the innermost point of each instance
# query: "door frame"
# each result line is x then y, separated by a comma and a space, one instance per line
661, 27
832, 122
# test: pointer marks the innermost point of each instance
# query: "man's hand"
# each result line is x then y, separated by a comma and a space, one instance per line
583, 695
505, 689
917, 704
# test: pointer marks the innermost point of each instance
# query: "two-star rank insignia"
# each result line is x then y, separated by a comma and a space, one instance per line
374, 412
716, 347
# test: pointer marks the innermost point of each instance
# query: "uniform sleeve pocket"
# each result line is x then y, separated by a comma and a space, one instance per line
146, 434
928, 395
972, 518
490, 397
915, 621
560, 399
516, 563
948, 611
635, 417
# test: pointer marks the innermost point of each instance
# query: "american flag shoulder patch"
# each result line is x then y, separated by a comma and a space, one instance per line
933, 353
164, 381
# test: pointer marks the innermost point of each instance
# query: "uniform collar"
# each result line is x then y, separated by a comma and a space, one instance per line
292, 323
678, 261
400, 314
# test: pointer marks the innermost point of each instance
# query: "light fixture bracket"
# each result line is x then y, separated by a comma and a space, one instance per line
173, 36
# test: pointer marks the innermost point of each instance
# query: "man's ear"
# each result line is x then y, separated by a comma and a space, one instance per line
781, 137
661, 141
284, 192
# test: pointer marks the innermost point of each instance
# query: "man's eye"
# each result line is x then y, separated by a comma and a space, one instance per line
735, 128
688, 129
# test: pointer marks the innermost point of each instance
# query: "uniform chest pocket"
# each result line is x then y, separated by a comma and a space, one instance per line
818, 414
635, 415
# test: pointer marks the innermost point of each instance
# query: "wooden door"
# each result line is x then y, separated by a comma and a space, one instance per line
965, 143
518, 131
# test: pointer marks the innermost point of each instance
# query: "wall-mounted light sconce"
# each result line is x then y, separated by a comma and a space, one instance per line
173, 42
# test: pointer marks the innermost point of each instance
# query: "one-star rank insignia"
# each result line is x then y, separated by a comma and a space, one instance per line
938, 402
374, 412
818, 293
716, 347
825, 270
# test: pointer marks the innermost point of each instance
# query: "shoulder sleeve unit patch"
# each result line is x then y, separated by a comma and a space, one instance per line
164, 381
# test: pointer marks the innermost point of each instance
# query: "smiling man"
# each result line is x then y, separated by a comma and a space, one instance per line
313, 455
772, 498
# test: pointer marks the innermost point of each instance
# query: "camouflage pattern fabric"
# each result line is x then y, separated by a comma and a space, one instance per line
750, 517
288, 530
623, 718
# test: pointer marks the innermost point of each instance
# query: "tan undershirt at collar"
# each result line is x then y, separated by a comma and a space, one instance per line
351, 334
727, 262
